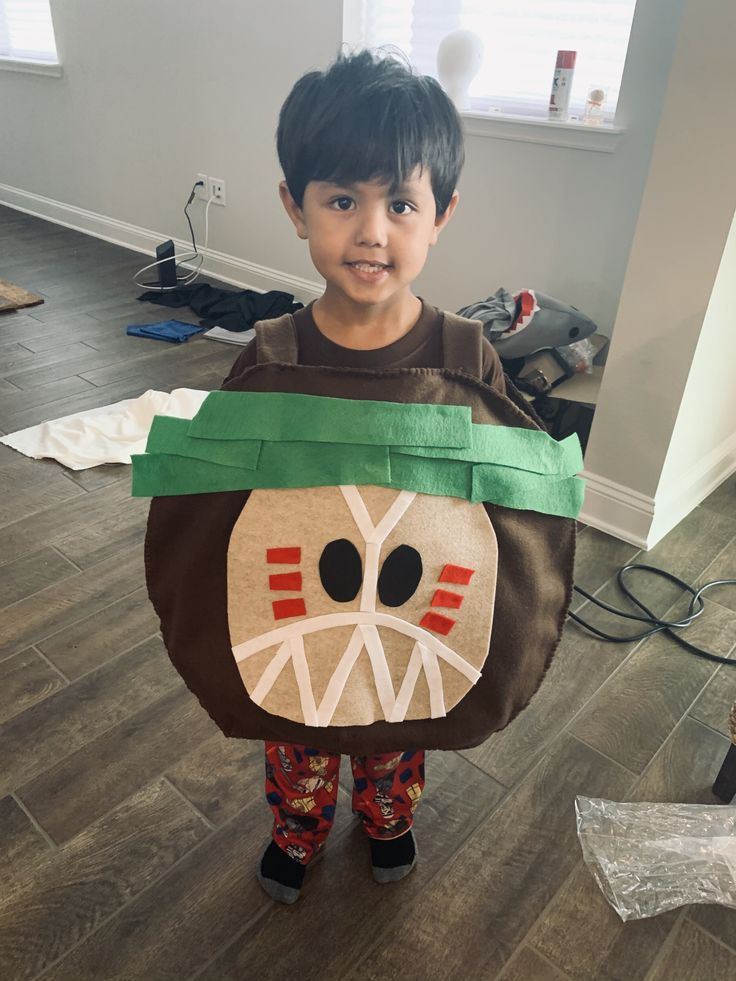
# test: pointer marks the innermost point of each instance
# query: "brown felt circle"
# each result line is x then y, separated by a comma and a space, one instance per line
186, 560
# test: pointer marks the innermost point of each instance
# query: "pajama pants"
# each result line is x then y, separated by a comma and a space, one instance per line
301, 789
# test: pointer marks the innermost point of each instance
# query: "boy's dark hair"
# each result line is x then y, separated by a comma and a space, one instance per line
369, 117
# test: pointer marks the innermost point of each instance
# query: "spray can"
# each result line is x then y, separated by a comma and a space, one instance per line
559, 98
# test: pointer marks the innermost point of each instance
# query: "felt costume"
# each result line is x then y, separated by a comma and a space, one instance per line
361, 559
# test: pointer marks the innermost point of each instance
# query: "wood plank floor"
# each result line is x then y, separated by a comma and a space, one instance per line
130, 828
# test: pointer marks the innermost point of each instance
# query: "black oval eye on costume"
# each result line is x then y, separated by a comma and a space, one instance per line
400, 576
341, 570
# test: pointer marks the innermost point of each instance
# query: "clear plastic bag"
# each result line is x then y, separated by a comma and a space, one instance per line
649, 858
578, 356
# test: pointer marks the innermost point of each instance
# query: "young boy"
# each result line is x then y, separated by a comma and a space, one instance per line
371, 155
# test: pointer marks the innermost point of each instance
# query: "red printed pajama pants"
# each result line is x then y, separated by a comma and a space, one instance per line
301, 789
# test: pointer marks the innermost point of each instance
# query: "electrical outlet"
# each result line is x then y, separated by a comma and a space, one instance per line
201, 192
217, 190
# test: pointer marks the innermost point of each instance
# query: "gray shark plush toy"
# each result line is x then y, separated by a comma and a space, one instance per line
522, 323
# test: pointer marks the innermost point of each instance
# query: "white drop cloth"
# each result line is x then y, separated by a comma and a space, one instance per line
108, 434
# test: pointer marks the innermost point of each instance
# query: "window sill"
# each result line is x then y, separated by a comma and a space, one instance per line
573, 133
32, 67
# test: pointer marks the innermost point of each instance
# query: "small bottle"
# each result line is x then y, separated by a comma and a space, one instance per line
559, 98
593, 114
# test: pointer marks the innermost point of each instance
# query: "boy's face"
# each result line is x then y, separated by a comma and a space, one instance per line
350, 225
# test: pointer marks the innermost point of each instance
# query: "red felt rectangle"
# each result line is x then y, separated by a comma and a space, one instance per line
288, 608
456, 574
437, 622
285, 580
284, 556
443, 597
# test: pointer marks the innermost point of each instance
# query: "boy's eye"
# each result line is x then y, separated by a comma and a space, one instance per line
402, 204
342, 203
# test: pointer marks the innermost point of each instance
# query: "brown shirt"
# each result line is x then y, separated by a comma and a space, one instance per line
420, 347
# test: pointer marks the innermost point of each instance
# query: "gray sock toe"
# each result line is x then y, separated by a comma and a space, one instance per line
394, 874
278, 891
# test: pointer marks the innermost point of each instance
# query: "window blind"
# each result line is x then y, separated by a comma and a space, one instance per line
26, 30
521, 39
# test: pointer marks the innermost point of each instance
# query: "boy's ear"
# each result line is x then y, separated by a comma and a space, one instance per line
441, 220
292, 209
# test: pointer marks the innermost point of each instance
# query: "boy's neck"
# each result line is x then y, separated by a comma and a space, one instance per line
365, 327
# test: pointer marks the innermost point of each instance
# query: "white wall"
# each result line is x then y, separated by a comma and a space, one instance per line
153, 93
672, 305
703, 443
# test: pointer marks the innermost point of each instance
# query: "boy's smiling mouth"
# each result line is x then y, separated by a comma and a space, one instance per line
369, 271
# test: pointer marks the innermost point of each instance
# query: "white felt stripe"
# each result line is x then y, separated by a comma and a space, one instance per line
373, 536
359, 511
370, 577
407, 686
303, 682
380, 532
434, 682
340, 675
273, 669
425, 653
455, 661
394, 514
381, 673
311, 625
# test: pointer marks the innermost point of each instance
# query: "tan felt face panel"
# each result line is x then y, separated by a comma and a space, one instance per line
391, 668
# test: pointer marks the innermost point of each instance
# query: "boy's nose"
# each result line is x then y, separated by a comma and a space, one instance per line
372, 229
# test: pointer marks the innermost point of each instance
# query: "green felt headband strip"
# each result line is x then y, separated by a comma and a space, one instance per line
230, 431
285, 417
516, 468
160, 476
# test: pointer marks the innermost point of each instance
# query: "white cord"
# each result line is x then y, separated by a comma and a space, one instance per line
184, 281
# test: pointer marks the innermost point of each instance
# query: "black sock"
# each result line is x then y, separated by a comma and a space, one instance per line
280, 867
391, 853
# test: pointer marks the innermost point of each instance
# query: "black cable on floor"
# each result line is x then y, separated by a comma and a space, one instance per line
667, 626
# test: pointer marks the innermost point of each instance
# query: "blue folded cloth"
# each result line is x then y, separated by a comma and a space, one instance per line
175, 331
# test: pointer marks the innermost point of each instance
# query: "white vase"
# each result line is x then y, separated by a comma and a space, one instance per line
459, 58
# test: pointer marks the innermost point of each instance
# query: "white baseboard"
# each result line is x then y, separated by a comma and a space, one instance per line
220, 265
687, 490
616, 510
643, 521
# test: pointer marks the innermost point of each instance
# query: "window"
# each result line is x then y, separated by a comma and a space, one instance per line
521, 40
26, 31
